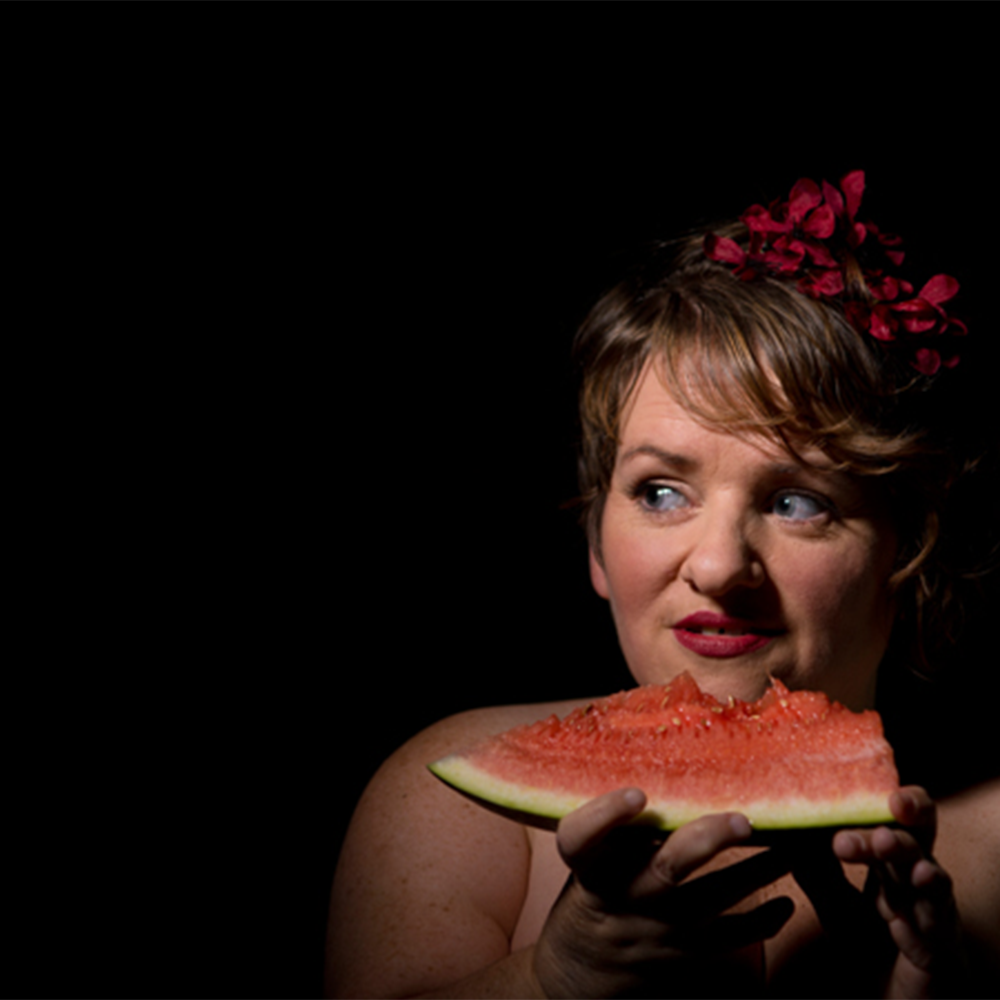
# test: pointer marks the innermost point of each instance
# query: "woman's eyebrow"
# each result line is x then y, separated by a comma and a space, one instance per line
681, 462
685, 463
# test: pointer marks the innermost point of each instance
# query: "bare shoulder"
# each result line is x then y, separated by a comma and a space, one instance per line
452, 733
969, 832
968, 847
429, 887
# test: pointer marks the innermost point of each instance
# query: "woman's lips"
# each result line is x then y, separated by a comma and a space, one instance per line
710, 634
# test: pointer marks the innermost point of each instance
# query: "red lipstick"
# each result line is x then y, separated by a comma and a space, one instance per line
710, 634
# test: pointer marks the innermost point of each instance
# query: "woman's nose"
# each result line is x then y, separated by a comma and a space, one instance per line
721, 557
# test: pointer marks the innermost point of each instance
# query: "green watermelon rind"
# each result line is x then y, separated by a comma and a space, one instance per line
545, 807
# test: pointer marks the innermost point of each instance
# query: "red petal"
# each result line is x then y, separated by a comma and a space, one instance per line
886, 239
939, 289
821, 223
805, 195
786, 258
819, 254
856, 234
723, 249
882, 324
927, 361
884, 288
919, 308
824, 283
832, 197
853, 186
759, 220
918, 316
857, 313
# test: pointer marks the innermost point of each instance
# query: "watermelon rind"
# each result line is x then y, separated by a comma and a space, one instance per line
543, 808
534, 806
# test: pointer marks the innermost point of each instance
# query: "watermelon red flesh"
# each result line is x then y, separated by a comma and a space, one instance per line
788, 760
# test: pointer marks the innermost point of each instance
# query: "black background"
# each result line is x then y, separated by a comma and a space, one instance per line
313, 456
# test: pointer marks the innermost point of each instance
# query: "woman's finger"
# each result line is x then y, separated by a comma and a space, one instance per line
843, 911
738, 930
581, 834
915, 809
688, 848
701, 897
614, 859
893, 855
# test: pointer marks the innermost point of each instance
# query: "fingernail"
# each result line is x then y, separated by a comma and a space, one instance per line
634, 798
740, 825
851, 842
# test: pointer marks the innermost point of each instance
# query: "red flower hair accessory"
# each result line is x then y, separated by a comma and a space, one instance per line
815, 237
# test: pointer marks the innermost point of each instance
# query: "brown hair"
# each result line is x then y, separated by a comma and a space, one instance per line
783, 365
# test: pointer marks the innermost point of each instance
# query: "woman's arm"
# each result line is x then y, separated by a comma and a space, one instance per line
429, 886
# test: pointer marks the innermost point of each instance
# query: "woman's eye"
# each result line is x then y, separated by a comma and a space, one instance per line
799, 506
656, 496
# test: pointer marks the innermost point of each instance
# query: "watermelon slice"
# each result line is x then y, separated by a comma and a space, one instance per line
790, 760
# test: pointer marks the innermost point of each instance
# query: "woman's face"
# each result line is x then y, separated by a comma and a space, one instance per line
726, 557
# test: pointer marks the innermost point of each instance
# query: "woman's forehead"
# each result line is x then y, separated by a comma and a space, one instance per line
653, 416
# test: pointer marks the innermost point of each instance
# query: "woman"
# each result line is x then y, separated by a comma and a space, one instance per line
763, 497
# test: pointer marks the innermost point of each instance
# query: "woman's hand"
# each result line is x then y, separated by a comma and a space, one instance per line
630, 916
914, 897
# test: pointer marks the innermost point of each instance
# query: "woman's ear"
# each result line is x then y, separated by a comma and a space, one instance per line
597, 575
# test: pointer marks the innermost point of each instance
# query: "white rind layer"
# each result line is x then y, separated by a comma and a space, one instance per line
544, 807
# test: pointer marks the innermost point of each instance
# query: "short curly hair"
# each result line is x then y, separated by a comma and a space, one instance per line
784, 365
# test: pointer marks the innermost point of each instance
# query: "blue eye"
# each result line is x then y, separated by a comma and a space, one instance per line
799, 506
656, 496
